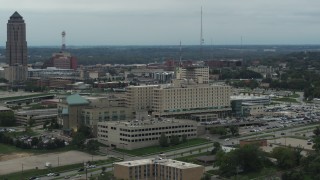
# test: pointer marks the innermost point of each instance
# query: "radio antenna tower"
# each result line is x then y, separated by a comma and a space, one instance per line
63, 35
180, 58
201, 35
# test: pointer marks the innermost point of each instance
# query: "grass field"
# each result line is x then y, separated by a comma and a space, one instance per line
7, 149
285, 99
263, 174
158, 149
294, 96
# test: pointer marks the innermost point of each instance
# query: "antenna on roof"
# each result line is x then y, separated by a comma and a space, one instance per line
201, 35
63, 46
180, 64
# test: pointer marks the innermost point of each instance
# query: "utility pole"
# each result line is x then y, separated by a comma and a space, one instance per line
86, 173
22, 171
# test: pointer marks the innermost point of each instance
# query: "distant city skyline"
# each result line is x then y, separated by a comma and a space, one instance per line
166, 22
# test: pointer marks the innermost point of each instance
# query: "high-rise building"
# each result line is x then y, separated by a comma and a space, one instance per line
16, 49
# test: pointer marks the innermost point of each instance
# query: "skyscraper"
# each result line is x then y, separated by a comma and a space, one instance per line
16, 49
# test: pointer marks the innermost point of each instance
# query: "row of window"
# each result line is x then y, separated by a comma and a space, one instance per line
157, 133
150, 139
153, 129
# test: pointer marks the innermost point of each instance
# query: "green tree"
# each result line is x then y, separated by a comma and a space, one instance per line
31, 121
34, 141
184, 138
103, 169
206, 177
316, 131
163, 141
174, 140
234, 130
316, 144
218, 130
92, 145
285, 157
292, 175
297, 153
85, 130
311, 165
216, 147
227, 162
7, 119
78, 140
248, 158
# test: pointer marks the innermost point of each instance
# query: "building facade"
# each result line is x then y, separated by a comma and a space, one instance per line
69, 111
157, 168
199, 74
38, 117
140, 97
191, 99
16, 48
90, 116
142, 133
179, 98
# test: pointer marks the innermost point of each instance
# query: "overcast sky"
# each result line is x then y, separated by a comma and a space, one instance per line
165, 22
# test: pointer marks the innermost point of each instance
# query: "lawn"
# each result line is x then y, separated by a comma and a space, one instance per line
306, 128
266, 173
7, 149
158, 149
43, 172
294, 96
285, 99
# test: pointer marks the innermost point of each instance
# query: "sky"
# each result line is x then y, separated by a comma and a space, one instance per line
165, 22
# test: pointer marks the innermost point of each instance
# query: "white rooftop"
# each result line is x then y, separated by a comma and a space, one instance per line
166, 162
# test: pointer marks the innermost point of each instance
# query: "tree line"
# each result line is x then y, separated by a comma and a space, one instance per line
289, 160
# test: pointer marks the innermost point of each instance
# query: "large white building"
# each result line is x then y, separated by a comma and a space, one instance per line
140, 98
181, 97
190, 99
142, 133
189, 93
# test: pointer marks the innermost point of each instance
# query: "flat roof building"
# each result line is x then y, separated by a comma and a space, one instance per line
157, 168
180, 98
142, 133
39, 116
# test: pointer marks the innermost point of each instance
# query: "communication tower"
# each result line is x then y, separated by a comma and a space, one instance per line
63, 35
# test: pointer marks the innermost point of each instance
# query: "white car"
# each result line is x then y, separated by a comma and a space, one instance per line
227, 139
92, 166
50, 174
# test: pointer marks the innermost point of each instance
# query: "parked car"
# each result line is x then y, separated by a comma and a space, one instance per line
92, 166
51, 174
